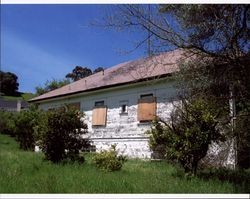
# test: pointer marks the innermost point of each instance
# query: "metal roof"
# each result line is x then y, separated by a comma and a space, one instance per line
128, 72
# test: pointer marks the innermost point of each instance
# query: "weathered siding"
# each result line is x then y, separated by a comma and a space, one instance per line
123, 129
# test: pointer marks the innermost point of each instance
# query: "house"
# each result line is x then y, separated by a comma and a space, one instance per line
13, 105
120, 102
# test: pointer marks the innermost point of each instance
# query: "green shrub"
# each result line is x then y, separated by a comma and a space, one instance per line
109, 160
188, 134
26, 122
7, 123
61, 138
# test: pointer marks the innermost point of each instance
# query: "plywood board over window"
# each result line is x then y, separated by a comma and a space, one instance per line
99, 116
146, 109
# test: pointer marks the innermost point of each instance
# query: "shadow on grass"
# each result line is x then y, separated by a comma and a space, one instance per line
240, 178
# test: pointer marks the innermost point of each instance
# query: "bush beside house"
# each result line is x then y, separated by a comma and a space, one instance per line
26, 123
57, 132
62, 140
7, 122
109, 160
186, 137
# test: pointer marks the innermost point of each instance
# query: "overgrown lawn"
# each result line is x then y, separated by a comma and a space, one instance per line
27, 172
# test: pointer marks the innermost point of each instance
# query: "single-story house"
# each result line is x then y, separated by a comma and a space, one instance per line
13, 105
120, 102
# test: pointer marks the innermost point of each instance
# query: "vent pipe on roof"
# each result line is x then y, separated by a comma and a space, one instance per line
102, 72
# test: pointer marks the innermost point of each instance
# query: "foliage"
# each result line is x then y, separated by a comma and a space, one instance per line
98, 70
196, 79
186, 26
19, 96
26, 123
188, 134
51, 85
109, 160
157, 140
27, 172
218, 56
27, 96
220, 52
79, 72
8, 83
228, 27
7, 123
62, 135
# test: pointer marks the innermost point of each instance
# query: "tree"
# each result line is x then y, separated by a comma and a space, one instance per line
98, 70
217, 37
186, 137
79, 72
8, 83
186, 26
220, 33
62, 136
51, 85
26, 123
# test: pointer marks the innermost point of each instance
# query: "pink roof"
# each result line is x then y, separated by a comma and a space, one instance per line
123, 73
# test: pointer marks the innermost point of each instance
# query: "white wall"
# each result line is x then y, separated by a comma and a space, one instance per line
123, 130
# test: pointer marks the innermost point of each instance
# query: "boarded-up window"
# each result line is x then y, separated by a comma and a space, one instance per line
146, 108
99, 114
75, 105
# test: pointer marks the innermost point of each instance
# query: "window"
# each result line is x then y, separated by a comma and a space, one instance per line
99, 103
99, 114
124, 107
146, 108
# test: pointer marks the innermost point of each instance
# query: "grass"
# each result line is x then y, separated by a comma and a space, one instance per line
20, 96
28, 172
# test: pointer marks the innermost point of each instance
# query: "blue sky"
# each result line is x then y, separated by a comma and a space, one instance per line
41, 42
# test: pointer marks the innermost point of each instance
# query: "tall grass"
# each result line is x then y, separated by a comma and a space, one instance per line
27, 172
